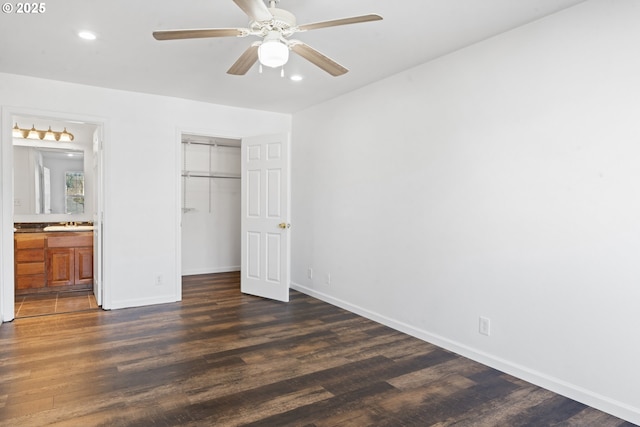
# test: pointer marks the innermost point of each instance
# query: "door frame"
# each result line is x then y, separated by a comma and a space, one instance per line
7, 282
180, 131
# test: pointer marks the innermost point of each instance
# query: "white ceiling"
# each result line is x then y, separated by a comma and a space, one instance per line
125, 55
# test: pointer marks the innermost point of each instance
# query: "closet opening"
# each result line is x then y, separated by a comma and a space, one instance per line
210, 199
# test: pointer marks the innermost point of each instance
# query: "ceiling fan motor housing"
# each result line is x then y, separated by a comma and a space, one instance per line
282, 19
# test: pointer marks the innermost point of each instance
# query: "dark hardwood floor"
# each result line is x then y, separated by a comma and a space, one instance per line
221, 358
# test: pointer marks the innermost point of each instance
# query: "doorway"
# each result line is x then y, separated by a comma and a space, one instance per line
53, 194
210, 199
260, 213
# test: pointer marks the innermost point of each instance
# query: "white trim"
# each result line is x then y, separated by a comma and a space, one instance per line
6, 220
141, 302
196, 271
180, 131
104, 190
178, 211
540, 379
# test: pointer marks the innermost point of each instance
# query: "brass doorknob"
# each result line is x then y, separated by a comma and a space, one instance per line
284, 225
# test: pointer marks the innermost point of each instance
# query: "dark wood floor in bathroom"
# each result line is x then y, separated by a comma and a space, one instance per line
221, 358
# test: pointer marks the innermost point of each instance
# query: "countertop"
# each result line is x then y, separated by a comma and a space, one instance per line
40, 227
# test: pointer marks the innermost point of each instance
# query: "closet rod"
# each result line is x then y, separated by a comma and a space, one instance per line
197, 175
211, 144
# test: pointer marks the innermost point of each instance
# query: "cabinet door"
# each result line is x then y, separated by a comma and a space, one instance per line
84, 266
60, 266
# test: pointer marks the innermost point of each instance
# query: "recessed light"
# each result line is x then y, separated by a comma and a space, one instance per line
87, 35
296, 77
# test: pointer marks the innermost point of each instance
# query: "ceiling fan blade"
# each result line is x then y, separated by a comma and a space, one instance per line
198, 33
343, 21
317, 58
256, 9
246, 61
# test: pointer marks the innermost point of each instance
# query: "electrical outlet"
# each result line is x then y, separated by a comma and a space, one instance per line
484, 326
158, 279
327, 279
310, 273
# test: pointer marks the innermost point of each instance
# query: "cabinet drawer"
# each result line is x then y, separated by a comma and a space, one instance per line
74, 241
28, 268
30, 255
29, 241
29, 282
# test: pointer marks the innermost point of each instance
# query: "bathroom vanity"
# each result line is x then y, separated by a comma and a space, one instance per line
53, 260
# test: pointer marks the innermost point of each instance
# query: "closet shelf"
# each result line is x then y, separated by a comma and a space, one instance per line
211, 144
217, 153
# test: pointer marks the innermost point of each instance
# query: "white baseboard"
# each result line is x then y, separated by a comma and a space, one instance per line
140, 302
587, 397
210, 270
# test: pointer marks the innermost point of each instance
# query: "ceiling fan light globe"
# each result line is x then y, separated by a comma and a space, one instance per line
273, 53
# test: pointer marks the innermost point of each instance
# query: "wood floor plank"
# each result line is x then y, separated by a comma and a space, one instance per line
221, 358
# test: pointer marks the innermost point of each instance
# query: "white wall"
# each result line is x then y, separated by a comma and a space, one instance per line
142, 149
501, 181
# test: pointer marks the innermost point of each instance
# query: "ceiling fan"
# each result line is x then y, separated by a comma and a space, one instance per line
274, 26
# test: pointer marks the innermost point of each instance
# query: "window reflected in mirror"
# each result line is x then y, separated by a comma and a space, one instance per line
74, 192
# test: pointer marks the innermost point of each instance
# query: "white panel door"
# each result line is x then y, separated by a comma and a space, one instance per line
97, 216
265, 217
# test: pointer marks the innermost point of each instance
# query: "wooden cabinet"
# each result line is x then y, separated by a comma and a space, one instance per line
53, 260
29, 260
70, 259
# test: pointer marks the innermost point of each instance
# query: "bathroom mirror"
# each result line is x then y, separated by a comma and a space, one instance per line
53, 180
48, 181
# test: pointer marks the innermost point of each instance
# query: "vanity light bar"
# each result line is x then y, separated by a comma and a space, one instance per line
48, 135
